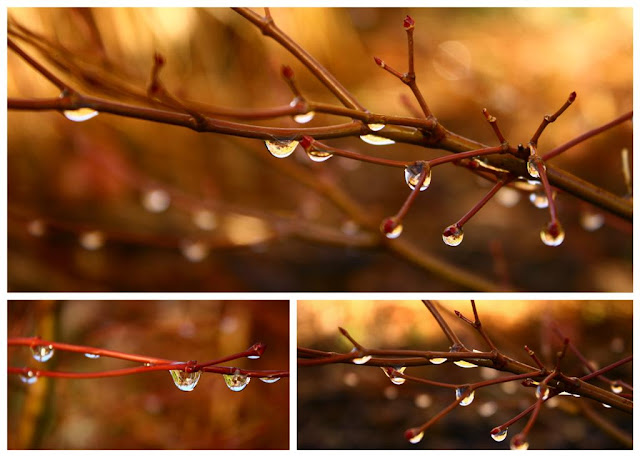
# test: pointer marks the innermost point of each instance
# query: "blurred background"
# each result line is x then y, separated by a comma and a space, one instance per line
344, 406
146, 411
122, 204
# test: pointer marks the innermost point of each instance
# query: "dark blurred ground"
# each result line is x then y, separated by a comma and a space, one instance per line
146, 411
518, 63
356, 407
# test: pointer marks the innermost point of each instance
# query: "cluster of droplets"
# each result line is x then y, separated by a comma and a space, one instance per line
412, 175
236, 381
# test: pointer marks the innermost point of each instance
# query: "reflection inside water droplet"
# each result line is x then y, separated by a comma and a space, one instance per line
29, 377
80, 115
281, 148
500, 436
42, 353
88, 355
465, 397
376, 140
236, 381
185, 381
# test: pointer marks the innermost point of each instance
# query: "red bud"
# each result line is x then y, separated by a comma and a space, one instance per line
287, 72
306, 142
408, 23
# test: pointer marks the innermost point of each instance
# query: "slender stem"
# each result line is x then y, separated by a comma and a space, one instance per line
549, 119
404, 209
464, 155
585, 136
450, 334
269, 28
496, 187
597, 373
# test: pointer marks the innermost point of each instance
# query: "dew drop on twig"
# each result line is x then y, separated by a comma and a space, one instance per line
465, 397
362, 360
389, 372
42, 353
417, 438
544, 394
552, 234
616, 388
89, 355
236, 381
305, 117
29, 377
519, 446
412, 175
185, 381
375, 127
438, 360
452, 235
319, 155
80, 114
281, 148
376, 140
269, 380
500, 436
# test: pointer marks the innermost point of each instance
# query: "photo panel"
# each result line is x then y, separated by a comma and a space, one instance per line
486, 374
152, 374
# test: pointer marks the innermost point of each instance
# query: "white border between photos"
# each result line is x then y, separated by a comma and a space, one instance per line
292, 297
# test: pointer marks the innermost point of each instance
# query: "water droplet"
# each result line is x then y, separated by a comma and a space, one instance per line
500, 435
236, 381
318, 155
438, 360
465, 397
575, 395
539, 392
89, 355
80, 114
591, 221
412, 175
534, 165
539, 199
194, 251
304, 118
156, 200
552, 234
42, 353
281, 148
36, 228
92, 240
397, 380
452, 235
269, 380
375, 127
616, 388
564, 393
29, 378
148, 364
465, 364
417, 438
391, 228
606, 406
517, 445
253, 357
376, 140
362, 360
185, 381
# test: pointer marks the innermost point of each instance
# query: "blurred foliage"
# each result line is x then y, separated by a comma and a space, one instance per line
146, 411
519, 63
344, 406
